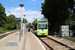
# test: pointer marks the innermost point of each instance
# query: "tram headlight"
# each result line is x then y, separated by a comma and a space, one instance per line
46, 31
43, 31
38, 31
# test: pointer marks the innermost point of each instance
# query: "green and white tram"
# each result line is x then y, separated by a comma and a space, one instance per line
41, 27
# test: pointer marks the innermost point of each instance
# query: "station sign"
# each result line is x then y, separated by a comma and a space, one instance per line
17, 19
22, 19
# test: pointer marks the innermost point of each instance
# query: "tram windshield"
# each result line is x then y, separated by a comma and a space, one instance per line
42, 26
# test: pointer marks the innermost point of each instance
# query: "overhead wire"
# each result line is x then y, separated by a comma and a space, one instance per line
7, 10
32, 18
36, 14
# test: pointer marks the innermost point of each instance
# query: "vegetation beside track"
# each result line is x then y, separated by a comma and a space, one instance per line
72, 42
3, 30
8, 23
58, 16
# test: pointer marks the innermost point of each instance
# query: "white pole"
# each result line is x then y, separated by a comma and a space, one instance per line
21, 18
20, 35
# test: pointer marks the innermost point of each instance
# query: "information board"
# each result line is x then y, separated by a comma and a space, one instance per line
65, 30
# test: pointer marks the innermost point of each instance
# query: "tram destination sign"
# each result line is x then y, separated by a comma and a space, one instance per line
42, 23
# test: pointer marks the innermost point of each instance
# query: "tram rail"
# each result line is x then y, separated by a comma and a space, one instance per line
6, 34
52, 44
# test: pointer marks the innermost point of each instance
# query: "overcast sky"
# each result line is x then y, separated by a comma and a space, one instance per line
32, 8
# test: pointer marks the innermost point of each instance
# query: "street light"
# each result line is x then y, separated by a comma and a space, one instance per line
24, 16
24, 22
21, 5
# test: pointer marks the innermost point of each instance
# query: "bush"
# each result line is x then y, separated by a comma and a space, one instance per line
2, 30
73, 28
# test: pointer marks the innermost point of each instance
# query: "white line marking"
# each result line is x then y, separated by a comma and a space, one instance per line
39, 42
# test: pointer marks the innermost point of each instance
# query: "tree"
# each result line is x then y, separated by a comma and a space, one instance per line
71, 11
2, 15
10, 22
70, 3
24, 20
30, 25
56, 11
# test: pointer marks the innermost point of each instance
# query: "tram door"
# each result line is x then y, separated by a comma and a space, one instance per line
36, 26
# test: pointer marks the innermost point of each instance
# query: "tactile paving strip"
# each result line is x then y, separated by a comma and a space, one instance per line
11, 44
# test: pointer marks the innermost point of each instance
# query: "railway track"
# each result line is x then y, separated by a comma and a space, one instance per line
4, 35
51, 44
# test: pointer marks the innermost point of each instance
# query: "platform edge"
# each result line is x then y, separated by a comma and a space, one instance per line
39, 42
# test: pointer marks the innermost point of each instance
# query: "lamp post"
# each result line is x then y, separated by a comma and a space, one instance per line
24, 16
25, 24
21, 5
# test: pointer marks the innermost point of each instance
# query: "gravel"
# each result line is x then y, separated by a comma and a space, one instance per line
64, 41
54, 45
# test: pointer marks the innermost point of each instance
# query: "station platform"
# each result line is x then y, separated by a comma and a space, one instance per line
27, 42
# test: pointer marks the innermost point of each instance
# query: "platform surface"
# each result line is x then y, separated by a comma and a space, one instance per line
27, 42
32, 43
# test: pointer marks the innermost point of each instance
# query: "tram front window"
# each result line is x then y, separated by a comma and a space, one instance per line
42, 26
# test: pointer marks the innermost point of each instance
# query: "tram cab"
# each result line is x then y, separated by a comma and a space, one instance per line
41, 27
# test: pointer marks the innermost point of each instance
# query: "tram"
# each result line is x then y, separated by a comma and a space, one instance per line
41, 27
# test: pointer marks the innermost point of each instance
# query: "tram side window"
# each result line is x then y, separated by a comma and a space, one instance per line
36, 26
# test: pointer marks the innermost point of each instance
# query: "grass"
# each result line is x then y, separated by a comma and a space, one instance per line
71, 42
3, 30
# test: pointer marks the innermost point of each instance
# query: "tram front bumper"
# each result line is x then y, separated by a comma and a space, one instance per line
42, 34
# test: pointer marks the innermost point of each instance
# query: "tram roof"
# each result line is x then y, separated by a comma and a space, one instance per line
40, 19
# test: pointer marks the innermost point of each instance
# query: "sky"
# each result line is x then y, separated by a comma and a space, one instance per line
32, 8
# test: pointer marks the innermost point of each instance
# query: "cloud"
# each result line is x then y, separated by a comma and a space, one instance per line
16, 11
29, 14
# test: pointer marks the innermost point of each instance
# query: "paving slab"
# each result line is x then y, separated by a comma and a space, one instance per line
27, 42
31, 42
